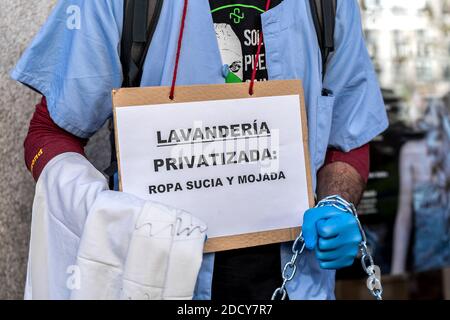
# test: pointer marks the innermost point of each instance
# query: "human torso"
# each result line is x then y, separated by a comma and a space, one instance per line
251, 273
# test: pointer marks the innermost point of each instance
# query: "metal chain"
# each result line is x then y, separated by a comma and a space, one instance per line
297, 249
372, 271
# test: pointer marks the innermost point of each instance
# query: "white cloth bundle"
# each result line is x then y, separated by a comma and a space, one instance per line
91, 243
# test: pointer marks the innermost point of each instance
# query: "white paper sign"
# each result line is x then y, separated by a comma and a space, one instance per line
239, 164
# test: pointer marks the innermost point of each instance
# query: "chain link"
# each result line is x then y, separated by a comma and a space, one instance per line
373, 273
367, 262
297, 249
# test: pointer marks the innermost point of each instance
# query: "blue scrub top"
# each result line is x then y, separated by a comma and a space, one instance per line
75, 62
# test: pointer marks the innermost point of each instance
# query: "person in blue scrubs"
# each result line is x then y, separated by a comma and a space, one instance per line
74, 61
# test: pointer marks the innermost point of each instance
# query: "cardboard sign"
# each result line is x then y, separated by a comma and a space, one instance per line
238, 162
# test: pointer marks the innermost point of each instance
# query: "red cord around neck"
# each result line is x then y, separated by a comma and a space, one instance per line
180, 41
177, 60
258, 52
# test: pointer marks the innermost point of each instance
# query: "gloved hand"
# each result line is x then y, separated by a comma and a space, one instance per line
333, 234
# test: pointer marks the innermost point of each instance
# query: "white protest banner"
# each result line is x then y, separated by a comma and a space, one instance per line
240, 163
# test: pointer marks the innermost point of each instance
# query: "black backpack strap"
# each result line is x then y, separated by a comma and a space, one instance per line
139, 24
140, 20
324, 17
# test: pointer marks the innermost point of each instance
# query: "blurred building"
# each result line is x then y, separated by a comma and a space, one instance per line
409, 42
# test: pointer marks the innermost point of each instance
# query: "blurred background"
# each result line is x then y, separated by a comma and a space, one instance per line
406, 208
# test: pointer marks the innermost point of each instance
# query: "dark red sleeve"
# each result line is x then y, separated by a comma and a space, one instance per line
45, 140
357, 158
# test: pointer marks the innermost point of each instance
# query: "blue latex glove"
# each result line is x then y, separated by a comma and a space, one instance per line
333, 234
